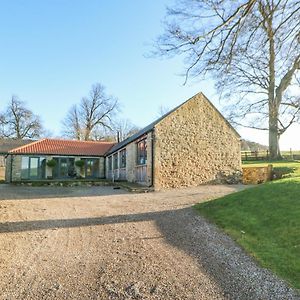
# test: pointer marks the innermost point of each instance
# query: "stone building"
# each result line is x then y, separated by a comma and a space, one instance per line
50, 159
193, 144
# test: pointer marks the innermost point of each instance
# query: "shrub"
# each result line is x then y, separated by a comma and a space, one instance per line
282, 172
51, 163
79, 163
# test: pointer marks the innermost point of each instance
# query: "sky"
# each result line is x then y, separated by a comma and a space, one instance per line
53, 51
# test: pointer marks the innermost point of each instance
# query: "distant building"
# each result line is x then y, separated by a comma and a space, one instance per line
5, 146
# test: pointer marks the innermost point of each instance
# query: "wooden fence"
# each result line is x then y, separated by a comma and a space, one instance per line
264, 155
255, 155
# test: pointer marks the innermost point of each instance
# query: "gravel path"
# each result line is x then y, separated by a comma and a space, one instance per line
100, 243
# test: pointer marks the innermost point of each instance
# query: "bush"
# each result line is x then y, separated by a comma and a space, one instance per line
51, 163
282, 172
79, 163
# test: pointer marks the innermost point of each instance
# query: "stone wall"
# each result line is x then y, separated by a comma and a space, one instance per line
15, 161
8, 168
150, 165
195, 145
256, 175
2, 167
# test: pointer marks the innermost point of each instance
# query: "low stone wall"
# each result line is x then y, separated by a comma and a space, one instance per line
256, 175
2, 173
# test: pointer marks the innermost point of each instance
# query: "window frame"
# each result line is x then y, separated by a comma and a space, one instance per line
141, 154
27, 171
109, 162
116, 161
123, 158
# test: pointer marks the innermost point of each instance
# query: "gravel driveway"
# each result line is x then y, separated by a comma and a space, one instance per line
101, 243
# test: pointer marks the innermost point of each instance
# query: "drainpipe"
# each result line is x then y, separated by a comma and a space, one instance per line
11, 168
152, 158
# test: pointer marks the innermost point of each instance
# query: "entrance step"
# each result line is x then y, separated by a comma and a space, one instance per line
133, 187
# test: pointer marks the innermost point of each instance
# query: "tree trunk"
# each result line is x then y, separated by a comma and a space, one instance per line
273, 107
273, 138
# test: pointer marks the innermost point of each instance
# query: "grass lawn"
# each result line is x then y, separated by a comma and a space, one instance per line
265, 221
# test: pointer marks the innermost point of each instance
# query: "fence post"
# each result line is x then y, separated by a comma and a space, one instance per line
291, 154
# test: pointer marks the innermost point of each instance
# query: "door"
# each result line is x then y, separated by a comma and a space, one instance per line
92, 168
64, 168
34, 167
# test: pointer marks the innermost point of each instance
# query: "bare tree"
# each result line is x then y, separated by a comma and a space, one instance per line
19, 122
251, 48
162, 110
92, 116
103, 134
124, 128
71, 124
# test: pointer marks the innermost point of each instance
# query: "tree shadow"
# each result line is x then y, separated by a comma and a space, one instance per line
237, 275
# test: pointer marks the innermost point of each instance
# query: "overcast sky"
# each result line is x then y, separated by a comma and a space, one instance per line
53, 51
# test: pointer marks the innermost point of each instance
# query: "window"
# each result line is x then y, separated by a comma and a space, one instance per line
63, 164
25, 167
92, 167
64, 168
109, 163
142, 152
33, 167
116, 161
123, 158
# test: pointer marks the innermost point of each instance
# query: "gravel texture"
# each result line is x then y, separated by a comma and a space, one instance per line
101, 243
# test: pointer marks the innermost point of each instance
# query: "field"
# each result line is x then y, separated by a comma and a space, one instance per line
265, 221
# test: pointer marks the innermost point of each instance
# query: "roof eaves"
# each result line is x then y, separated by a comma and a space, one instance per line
24, 146
129, 140
56, 154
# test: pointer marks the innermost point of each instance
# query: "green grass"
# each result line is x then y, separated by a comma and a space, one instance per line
265, 221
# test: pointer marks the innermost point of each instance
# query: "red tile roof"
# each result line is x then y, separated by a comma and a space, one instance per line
64, 147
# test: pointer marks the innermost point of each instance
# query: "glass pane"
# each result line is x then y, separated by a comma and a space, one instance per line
142, 152
55, 171
123, 158
116, 161
34, 167
145, 151
71, 167
24, 167
92, 167
95, 167
63, 167
109, 163
89, 167
42, 167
